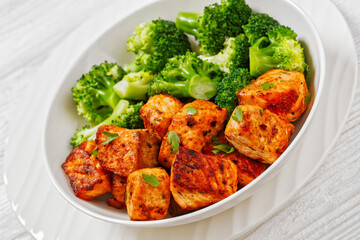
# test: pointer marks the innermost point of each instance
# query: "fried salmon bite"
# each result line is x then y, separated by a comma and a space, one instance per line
87, 178
148, 194
195, 125
199, 180
281, 92
131, 150
259, 134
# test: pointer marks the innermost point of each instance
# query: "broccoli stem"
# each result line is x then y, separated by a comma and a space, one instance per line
90, 133
188, 22
107, 94
130, 90
261, 59
177, 89
201, 87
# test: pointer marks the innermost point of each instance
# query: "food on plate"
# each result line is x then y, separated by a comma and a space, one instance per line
134, 85
233, 56
94, 94
148, 194
229, 86
158, 112
123, 151
87, 178
281, 50
118, 187
247, 168
126, 114
188, 122
198, 180
154, 43
216, 23
281, 92
258, 133
258, 25
187, 76
194, 126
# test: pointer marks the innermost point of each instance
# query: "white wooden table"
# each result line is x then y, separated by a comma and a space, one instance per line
328, 206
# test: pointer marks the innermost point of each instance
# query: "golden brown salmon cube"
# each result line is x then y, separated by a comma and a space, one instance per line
247, 169
87, 178
118, 191
132, 150
196, 124
198, 180
280, 91
260, 134
157, 113
148, 194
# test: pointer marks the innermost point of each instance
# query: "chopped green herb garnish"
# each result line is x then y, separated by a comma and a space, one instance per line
225, 148
174, 141
95, 152
151, 179
266, 86
191, 110
237, 115
110, 137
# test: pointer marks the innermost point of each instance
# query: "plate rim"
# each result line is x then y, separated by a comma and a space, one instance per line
222, 205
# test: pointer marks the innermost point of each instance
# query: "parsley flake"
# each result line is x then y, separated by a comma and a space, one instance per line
110, 137
95, 152
225, 148
174, 141
237, 115
191, 110
151, 179
266, 86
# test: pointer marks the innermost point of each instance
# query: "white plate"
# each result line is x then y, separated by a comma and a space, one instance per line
63, 119
47, 215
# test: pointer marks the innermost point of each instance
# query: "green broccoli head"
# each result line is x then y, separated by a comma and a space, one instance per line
283, 52
81, 135
234, 55
258, 25
187, 76
154, 43
134, 85
215, 24
229, 86
126, 114
93, 93
130, 118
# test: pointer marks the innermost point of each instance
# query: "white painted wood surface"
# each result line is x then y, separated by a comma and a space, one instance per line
328, 207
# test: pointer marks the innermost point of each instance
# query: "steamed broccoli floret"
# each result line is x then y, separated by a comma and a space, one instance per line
131, 118
258, 25
215, 24
126, 114
187, 76
234, 55
94, 94
134, 85
154, 43
229, 86
283, 52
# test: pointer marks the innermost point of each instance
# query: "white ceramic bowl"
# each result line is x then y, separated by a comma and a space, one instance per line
111, 46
